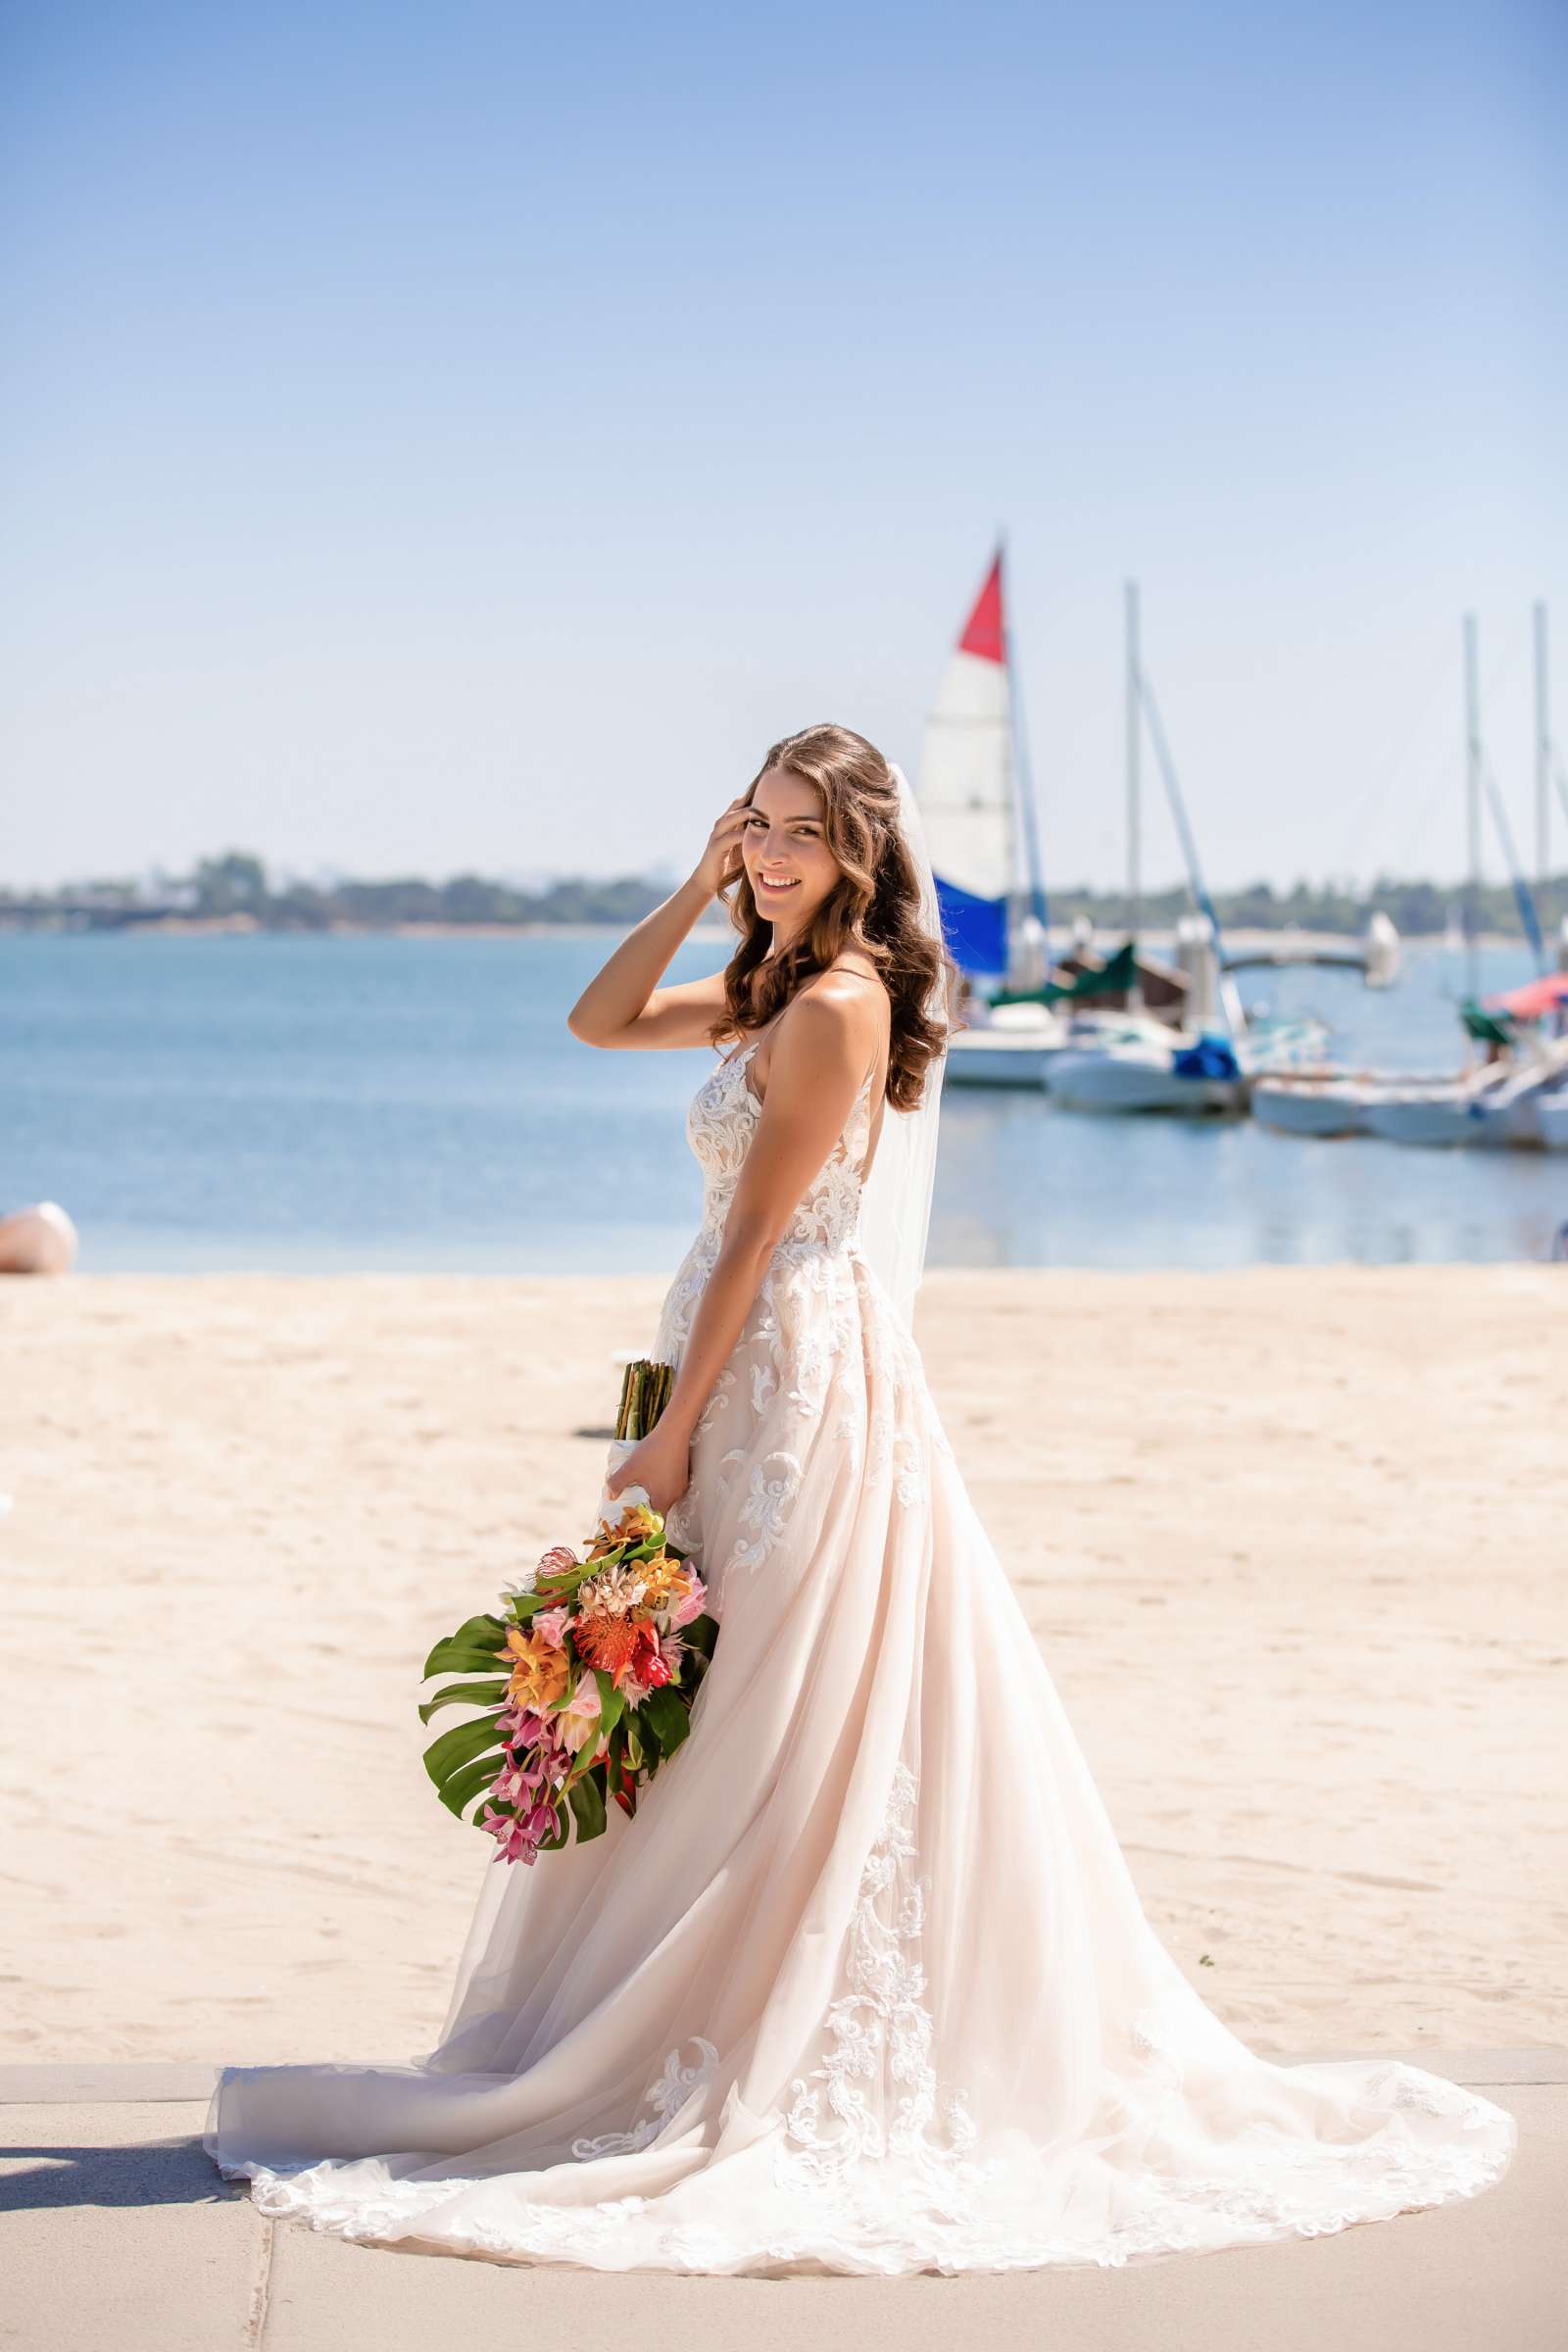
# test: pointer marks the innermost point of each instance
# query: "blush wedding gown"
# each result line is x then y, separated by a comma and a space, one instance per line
865, 1987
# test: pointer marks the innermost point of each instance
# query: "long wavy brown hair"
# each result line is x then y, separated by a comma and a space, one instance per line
874, 907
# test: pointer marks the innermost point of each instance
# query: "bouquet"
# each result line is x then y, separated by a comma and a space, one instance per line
600, 1659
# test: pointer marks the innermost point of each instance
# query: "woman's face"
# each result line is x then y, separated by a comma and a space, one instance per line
784, 847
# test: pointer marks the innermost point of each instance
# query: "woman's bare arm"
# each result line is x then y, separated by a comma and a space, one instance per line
821, 1053
621, 1006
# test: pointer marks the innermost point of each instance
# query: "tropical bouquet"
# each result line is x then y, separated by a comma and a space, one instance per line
600, 1659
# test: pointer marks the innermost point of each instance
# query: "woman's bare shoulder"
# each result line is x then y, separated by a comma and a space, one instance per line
856, 983
860, 973
855, 993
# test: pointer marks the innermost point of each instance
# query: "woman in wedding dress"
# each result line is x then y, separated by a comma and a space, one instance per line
866, 1985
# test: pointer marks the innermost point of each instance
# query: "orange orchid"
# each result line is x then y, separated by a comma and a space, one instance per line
539, 1671
664, 1580
635, 1524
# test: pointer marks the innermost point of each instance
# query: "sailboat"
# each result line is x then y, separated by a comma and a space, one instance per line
977, 805
1204, 1056
977, 801
1519, 1094
1124, 1033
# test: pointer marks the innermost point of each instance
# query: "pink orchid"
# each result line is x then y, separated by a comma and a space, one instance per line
510, 1837
578, 1721
512, 1786
515, 1725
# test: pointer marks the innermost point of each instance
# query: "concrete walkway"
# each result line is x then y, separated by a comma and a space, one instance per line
118, 2232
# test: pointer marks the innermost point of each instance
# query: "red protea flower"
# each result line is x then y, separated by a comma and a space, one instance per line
608, 1643
623, 1647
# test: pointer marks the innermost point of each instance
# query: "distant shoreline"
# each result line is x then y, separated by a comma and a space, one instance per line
246, 926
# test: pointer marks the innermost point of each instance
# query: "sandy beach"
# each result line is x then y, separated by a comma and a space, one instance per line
1291, 1542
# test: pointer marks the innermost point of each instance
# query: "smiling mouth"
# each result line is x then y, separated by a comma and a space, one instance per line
792, 884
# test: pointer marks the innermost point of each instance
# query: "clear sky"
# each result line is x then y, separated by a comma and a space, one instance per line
465, 436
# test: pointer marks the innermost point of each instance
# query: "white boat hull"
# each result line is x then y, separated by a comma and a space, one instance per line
1324, 1110
1498, 1110
1000, 1057
1121, 1079
1433, 1119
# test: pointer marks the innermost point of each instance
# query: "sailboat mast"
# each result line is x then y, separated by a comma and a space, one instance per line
1135, 737
1021, 775
1472, 746
1542, 756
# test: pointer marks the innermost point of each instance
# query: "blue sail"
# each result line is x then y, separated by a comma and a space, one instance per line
975, 929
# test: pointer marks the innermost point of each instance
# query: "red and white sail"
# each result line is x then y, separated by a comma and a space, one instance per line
965, 789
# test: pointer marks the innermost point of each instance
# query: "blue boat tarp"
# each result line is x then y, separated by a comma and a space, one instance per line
1210, 1057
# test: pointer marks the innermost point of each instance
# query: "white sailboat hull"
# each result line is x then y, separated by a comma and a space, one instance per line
1433, 1120
1002, 1058
1328, 1108
1496, 1108
1129, 1078
1022, 1045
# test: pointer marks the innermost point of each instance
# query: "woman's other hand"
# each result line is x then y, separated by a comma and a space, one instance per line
661, 1463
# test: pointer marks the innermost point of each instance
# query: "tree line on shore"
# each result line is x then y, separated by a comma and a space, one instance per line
238, 885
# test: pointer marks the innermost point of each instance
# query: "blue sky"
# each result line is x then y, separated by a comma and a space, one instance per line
465, 437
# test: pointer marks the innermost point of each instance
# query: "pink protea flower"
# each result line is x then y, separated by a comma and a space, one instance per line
559, 1560
553, 1624
633, 1691
690, 1605
671, 1648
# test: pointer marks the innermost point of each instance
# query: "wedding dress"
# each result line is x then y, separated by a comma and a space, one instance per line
866, 1985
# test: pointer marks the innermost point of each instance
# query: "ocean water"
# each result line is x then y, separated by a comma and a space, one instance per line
376, 1103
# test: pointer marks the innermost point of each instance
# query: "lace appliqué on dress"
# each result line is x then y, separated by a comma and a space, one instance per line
767, 1508
667, 2093
882, 2035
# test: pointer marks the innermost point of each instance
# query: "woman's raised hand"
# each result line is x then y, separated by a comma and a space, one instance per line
720, 861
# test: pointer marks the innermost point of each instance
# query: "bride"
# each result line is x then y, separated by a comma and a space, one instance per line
866, 1985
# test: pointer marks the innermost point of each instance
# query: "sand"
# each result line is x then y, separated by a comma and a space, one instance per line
1292, 1542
